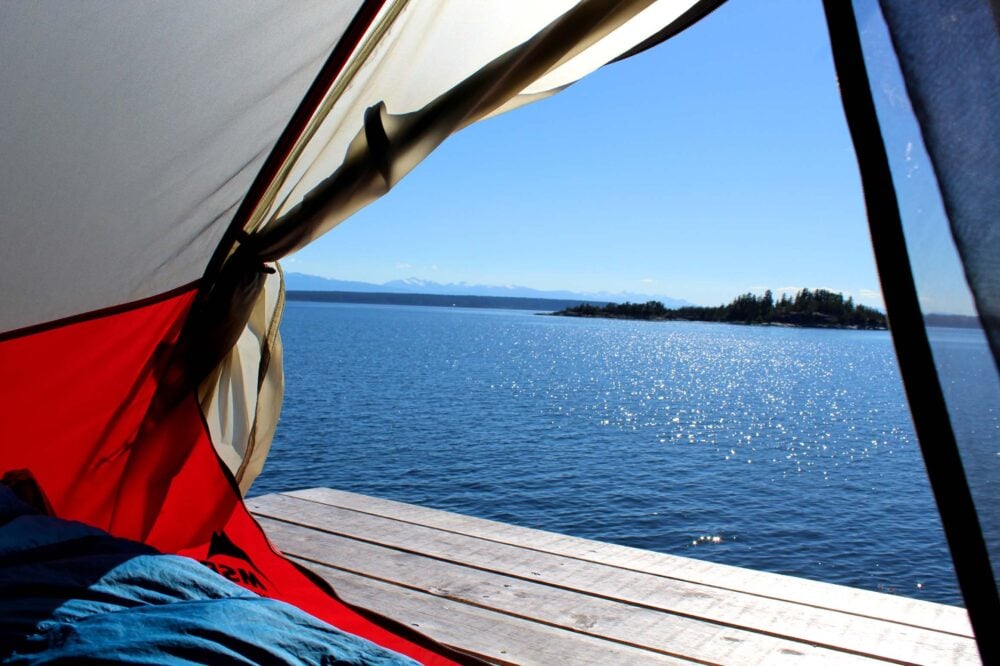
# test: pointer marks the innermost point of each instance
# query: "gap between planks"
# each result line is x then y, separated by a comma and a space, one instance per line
902, 610
492, 636
587, 617
876, 637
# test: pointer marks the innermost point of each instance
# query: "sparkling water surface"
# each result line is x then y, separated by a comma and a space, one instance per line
781, 449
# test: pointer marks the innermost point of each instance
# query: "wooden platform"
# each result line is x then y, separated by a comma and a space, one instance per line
516, 595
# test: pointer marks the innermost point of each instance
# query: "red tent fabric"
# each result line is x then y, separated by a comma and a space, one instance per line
158, 160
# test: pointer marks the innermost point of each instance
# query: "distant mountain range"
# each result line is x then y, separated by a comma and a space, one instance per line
304, 282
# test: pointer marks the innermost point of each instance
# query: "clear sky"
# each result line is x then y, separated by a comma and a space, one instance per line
714, 164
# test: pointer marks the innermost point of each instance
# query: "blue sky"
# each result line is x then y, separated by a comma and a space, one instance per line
716, 163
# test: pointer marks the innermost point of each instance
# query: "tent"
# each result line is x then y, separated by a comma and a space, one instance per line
160, 158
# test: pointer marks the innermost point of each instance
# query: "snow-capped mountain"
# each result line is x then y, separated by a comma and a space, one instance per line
304, 282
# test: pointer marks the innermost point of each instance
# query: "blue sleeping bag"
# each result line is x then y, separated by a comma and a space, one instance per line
72, 593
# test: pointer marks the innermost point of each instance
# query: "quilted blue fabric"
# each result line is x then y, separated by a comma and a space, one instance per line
72, 593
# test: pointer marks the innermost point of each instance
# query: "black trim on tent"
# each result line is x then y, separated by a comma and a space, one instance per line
920, 379
233, 280
97, 314
695, 13
296, 125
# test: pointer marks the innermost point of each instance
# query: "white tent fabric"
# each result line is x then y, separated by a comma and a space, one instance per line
130, 133
414, 55
241, 399
416, 52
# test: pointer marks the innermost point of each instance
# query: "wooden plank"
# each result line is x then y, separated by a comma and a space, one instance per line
808, 624
492, 636
903, 610
586, 615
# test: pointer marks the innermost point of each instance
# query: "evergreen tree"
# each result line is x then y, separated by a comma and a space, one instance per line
767, 306
819, 307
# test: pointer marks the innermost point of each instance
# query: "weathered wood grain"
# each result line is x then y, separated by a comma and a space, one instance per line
668, 606
938, 617
486, 634
623, 624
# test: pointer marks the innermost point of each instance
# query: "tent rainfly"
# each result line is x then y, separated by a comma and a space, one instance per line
160, 158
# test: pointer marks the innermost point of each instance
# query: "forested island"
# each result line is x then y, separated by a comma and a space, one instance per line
817, 308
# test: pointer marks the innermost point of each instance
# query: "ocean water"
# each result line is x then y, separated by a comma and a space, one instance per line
780, 449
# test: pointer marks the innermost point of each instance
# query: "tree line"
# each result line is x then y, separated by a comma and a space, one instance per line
809, 307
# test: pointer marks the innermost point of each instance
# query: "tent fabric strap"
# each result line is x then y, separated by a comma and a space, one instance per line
920, 379
385, 149
234, 279
220, 314
401, 141
237, 230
